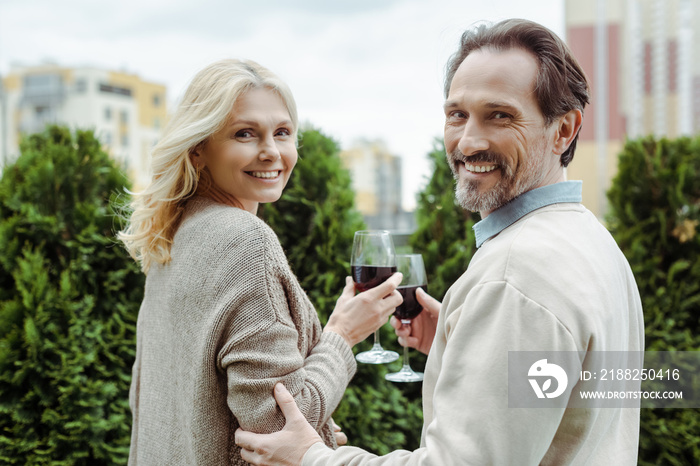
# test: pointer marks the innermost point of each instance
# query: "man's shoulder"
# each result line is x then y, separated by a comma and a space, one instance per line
549, 250
561, 229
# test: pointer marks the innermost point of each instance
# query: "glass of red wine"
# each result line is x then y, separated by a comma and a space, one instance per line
373, 261
414, 277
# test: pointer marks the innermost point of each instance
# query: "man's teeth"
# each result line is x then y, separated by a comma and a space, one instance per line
479, 169
267, 175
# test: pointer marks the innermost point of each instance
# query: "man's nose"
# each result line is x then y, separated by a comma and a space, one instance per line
472, 139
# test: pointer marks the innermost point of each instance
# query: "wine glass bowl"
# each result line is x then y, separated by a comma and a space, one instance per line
414, 277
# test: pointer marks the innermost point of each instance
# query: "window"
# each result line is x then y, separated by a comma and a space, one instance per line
43, 85
156, 100
124, 116
109, 89
156, 123
80, 85
108, 114
42, 113
125, 140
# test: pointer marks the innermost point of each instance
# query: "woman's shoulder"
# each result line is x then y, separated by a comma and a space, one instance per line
210, 223
201, 212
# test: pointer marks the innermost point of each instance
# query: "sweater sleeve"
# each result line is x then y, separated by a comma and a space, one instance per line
263, 347
471, 422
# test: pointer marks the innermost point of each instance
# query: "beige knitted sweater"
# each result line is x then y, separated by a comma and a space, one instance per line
219, 325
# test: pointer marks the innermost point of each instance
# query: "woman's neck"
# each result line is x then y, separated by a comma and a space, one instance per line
213, 192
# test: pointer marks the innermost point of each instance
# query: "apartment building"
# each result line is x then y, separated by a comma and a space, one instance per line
642, 59
126, 112
377, 179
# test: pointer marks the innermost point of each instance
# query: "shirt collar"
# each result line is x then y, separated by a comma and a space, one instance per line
506, 215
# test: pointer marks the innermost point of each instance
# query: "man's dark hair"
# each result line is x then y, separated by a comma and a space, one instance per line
561, 84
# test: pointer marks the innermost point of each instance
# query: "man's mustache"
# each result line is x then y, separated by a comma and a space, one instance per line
483, 157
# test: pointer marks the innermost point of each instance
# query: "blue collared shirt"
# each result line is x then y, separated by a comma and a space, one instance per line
505, 216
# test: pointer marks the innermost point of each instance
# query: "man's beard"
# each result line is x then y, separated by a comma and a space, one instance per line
512, 183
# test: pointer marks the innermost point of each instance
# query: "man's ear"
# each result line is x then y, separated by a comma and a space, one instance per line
568, 127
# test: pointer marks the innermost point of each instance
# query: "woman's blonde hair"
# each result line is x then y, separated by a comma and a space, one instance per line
206, 106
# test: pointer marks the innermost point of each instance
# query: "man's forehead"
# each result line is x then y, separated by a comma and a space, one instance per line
497, 76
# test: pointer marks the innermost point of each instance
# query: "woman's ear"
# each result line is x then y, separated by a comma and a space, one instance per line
196, 156
568, 127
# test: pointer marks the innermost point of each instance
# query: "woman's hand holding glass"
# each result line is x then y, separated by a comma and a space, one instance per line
356, 317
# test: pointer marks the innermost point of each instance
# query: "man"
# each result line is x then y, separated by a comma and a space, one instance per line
546, 277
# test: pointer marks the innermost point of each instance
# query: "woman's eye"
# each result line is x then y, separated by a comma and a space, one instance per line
283, 132
244, 133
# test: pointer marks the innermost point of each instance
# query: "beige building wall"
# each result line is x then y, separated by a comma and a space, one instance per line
376, 179
645, 81
585, 167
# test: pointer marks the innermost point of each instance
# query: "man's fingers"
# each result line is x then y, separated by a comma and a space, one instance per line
396, 323
244, 440
340, 438
286, 402
429, 303
336, 427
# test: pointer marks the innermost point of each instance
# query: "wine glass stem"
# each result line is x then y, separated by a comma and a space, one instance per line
406, 365
377, 344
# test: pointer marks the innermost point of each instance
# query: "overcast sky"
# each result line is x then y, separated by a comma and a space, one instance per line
358, 68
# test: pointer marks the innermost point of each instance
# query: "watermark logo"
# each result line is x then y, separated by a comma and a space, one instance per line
541, 369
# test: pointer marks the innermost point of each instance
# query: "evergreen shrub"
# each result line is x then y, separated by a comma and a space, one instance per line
654, 215
69, 297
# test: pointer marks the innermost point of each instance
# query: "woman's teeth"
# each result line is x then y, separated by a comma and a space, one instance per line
266, 175
479, 169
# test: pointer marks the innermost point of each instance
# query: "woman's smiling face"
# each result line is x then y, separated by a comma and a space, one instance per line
252, 156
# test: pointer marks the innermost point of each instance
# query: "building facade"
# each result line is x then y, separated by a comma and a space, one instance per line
126, 112
642, 59
376, 179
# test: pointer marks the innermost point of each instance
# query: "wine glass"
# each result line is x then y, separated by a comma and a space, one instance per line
373, 261
414, 277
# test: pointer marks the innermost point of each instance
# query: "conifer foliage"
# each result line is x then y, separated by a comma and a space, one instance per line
69, 298
654, 215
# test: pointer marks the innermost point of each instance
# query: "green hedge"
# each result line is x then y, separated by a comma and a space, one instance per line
69, 297
654, 215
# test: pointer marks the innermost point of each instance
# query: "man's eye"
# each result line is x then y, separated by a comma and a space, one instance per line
500, 115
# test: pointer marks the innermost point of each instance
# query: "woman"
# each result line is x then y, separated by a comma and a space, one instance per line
223, 317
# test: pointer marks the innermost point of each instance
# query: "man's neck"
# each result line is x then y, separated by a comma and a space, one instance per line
556, 177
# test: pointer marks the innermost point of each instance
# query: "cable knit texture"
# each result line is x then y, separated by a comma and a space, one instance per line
219, 325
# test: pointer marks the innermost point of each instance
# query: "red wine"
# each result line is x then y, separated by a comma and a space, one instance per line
410, 307
369, 276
